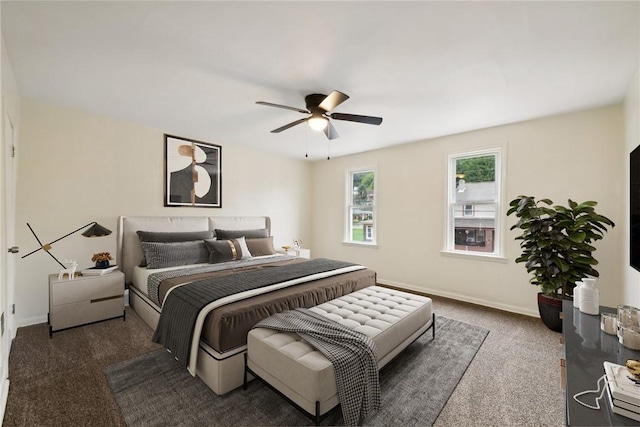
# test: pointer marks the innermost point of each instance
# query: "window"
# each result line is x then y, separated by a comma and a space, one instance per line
361, 206
467, 210
474, 203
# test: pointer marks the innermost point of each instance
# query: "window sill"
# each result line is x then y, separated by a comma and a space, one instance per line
476, 256
360, 244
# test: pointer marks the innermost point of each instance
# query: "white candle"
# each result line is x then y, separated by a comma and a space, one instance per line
609, 323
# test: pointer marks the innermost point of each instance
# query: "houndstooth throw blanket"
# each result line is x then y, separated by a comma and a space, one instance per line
352, 354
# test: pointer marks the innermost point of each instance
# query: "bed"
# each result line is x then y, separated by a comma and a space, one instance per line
217, 352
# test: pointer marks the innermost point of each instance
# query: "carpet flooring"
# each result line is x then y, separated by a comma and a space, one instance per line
154, 390
514, 379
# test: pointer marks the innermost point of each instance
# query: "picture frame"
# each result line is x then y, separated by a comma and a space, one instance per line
192, 173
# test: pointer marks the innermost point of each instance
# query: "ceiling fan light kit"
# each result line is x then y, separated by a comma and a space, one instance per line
318, 106
317, 123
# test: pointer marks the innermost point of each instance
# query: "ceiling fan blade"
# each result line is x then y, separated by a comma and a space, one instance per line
290, 125
269, 104
330, 131
370, 120
332, 100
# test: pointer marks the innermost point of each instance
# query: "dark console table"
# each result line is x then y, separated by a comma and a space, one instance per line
586, 349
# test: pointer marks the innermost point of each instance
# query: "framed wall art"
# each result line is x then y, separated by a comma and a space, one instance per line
192, 173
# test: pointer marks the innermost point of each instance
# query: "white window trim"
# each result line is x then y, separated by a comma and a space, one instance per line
499, 237
347, 214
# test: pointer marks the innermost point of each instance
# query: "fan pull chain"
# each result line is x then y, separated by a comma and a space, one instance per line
306, 143
328, 146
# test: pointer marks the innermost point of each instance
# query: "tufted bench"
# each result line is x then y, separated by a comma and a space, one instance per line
392, 319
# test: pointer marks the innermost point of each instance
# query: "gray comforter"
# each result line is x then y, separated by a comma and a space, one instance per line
183, 304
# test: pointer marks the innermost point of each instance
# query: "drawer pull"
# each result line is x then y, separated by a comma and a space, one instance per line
106, 298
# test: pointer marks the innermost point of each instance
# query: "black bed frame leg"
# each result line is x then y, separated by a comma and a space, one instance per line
317, 418
244, 383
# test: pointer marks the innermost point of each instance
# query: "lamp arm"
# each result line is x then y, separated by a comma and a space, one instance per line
58, 261
51, 243
39, 242
69, 234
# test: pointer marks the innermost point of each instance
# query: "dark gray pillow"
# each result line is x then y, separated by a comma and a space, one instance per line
223, 250
173, 254
260, 247
171, 236
247, 234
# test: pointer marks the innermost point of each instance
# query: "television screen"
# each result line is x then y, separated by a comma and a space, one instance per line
634, 207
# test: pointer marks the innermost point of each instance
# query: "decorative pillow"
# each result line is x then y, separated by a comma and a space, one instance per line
260, 247
172, 236
247, 234
172, 254
227, 250
246, 254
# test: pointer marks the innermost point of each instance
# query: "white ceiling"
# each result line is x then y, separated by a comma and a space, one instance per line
195, 69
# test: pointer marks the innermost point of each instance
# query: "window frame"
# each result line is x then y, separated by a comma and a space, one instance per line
349, 206
449, 231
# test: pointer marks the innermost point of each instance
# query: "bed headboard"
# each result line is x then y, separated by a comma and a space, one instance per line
129, 252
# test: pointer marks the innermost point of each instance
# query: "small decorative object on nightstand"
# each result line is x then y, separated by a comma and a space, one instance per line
69, 269
101, 259
298, 251
87, 299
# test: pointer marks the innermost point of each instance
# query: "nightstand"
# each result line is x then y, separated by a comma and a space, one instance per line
302, 253
85, 299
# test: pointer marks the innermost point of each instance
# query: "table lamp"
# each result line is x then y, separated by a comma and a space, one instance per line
94, 230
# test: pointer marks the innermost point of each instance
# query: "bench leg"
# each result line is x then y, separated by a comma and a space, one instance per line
433, 325
244, 383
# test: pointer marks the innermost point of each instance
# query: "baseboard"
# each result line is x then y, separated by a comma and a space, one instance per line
29, 321
458, 297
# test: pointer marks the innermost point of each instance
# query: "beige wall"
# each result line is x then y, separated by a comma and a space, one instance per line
75, 168
632, 137
576, 156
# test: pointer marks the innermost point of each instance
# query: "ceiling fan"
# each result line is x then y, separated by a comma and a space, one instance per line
318, 106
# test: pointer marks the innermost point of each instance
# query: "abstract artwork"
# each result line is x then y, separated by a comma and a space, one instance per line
192, 173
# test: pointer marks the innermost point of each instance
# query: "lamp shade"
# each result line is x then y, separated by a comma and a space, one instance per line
96, 230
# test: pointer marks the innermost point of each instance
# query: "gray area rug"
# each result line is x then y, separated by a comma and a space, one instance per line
154, 390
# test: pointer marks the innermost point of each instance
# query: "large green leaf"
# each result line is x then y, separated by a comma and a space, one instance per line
577, 237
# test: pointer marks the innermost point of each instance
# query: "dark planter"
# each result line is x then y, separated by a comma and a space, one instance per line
550, 309
102, 264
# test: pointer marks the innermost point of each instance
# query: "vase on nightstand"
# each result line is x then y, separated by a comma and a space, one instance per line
102, 264
589, 297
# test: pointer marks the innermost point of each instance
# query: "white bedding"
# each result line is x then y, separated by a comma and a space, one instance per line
141, 275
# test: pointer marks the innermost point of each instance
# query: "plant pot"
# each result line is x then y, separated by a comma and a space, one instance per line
550, 309
102, 264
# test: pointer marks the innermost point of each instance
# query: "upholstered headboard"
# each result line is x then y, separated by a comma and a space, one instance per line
129, 253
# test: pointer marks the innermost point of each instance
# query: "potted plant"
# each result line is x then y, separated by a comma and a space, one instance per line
557, 249
101, 259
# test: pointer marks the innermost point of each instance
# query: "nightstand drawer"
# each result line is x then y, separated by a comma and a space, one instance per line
79, 313
86, 288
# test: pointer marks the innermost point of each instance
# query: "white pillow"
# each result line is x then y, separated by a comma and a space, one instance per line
243, 247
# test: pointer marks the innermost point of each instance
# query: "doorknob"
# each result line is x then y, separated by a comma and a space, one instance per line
13, 250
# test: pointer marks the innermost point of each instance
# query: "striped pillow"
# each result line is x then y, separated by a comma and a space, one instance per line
173, 254
170, 237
